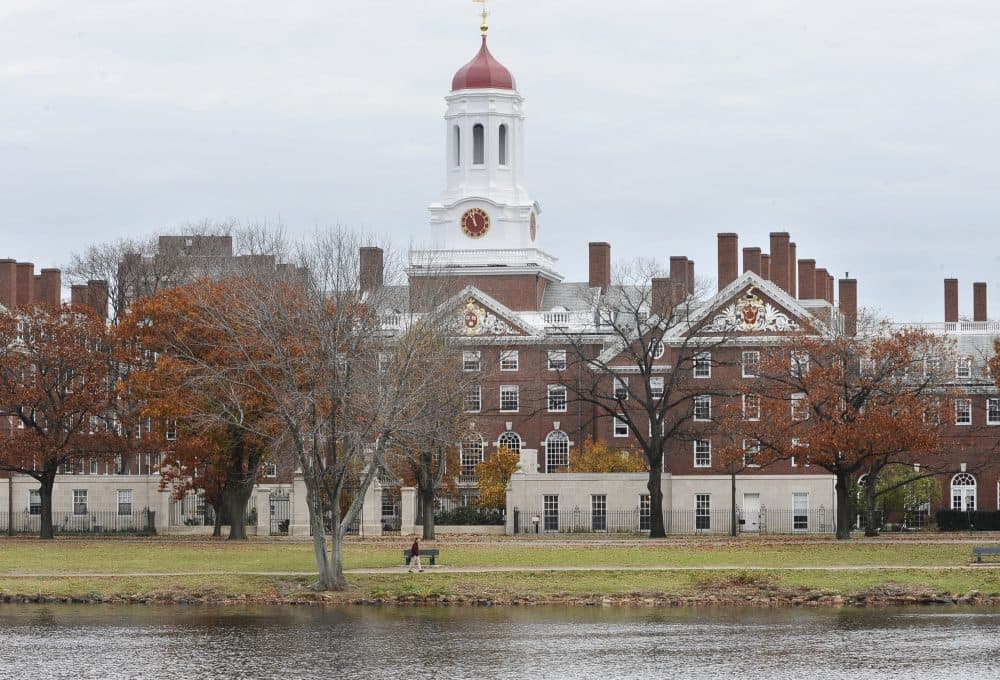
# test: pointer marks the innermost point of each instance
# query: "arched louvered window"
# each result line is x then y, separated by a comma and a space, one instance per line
478, 145
502, 151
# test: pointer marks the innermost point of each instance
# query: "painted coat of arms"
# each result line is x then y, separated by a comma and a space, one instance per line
474, 319
749, 313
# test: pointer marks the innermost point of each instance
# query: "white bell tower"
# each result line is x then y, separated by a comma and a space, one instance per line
485, 217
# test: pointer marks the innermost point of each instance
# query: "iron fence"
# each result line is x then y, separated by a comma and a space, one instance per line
140, 522
716, 521
193, 511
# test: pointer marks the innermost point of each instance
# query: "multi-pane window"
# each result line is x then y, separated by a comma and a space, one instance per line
993, 411
599, 513
470, 361
556, 451
471, 455
124, 501
79, 501
703, 365
557, 398
644, 512
800, 511
657, 349
509, 360
510, 441
932, 364
270, 470
557, 359
702, 453
550, 512
751, 407
800, 409
963, 367
963, 492
171, 430
932, 414
751, 364
800, 363
510, 400
474, 399
703, 407
34, 502
621, 388
656, 387
751, 452
963, 411
702, 511
621, 427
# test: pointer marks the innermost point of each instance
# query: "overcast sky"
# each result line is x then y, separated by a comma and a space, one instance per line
868, 129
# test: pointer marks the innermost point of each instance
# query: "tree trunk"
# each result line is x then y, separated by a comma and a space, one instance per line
732, 502
325, 581
217, 528
236, 498
45, 491
337, 579
427, 501
656, 527
843, 507
871, 482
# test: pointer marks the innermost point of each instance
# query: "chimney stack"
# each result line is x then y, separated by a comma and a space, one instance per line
751, 260
25, 284
849, 305
951, 300
78, 295
779, 259
793, 270
372, 269
829, 288
8, 283
97, 298
765, 266
50, 292
822, 285
679, 271
807, 280
979, 312
600, 266
659, 303
729, 245
690, 276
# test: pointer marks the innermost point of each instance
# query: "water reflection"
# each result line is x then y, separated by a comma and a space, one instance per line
370, 643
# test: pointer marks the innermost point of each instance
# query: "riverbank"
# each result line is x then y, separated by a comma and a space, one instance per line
688, 573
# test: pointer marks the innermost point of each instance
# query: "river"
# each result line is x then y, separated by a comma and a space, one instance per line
83, 642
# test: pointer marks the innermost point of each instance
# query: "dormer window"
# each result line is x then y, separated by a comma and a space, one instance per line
478, 144
502, 150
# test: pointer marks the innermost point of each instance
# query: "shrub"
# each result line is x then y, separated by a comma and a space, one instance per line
470, 515
958, 520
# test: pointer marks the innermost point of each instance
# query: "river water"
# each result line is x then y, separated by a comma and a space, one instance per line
64, 641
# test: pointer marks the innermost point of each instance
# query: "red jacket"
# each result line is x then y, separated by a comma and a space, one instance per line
415, 549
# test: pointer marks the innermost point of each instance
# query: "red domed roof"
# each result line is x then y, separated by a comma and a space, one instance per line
483, 72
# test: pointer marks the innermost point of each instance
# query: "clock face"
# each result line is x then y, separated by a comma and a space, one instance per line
475, 222
534, 226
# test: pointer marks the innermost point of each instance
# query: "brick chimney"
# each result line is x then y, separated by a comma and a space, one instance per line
822, 285
372, 266
25, 283
600, 265
659, 303
829, 288
849, 305
97, 298
50, 292
8, 283
765, 266
793, 270
779, 259
979, 312
751, 260
729, 246
679, 271
951, 300
690, 276
807, 280
79, 295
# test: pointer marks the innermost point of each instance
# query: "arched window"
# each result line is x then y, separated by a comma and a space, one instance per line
963, 492
503, 145
478, 145
556, 451
458, 147
511, 441
471, 456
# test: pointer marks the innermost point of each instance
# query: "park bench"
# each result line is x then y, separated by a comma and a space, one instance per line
430, 553
981, 550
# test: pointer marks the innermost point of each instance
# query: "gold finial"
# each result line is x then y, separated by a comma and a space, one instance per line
483, 28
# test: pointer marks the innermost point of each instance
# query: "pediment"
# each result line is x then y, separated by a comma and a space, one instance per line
480, 315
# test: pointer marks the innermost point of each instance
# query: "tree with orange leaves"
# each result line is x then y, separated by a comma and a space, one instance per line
602, 457
57, 392
850, 405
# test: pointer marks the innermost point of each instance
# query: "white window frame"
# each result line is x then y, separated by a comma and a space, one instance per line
474, 399
993, 410
620, 427
703, 451
556, 392
510, 360
963, 412
598, 512
702, 365
471, 361
560, 437
510, 389
34, 501
965, 500
79, 502
621, 388
702, 402
511, 437
963, 367
750, 358
556, 359
124, 497
656, 385
550, 512
751, 407
797, 523
799, 363
751, 452
170, 430
799, 406
657, 349
472, 451
270, 470
703, 511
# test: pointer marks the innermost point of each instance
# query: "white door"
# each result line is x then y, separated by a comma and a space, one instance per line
751, 512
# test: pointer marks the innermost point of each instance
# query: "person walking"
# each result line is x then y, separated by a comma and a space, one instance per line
415, 556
